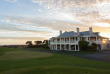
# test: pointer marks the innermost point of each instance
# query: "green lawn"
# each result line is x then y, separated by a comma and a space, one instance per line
18, 55
54, 64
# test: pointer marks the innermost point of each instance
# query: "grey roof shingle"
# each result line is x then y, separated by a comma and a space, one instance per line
68, 34
84, 33
73, 34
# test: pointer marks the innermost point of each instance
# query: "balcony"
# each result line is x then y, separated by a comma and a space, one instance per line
64, 42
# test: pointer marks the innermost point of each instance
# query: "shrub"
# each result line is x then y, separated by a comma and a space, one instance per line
95, 45
39, 46
92, 48
83, 45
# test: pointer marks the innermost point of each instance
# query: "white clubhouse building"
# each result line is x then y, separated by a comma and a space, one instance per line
69, 40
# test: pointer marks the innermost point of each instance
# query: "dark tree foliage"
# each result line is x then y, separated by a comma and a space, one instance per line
95, 45
92, 47
83, 45
38, 42
29, 43
45, 42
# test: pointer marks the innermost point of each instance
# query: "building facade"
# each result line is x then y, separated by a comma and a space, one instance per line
69, 40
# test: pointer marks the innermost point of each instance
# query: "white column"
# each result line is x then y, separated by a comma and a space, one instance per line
69, 39
65, 47
64, 40
78, 38
69, 47
60, 46
56, 40
56, 46
51, 47
60, 43
64, 44
75, 47
78, 47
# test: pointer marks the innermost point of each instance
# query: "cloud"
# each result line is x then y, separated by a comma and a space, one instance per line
63, 15
83, 11
68, 3
102, 24
22, 24
12, 1
44, 24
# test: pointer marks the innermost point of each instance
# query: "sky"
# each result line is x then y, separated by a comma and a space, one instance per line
30, 20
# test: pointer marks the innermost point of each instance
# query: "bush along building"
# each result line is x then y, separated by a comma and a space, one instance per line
69, 40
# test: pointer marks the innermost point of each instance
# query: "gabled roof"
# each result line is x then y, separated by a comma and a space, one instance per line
68, 34
74, 34
84, 33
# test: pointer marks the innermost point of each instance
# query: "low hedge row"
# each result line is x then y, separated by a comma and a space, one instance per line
38, 46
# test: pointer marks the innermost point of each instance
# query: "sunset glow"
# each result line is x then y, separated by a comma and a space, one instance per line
22, 20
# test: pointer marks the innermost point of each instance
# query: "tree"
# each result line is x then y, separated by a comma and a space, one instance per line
38, 42
95, 45
83, 45
45, 42
29, 43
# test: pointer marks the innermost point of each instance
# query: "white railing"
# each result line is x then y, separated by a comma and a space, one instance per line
73, 41
64, 42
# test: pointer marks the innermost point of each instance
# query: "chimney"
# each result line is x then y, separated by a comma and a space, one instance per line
60, 32
78, 31
90, 30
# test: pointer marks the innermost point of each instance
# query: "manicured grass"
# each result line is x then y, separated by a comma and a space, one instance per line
17, 55
56, 64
